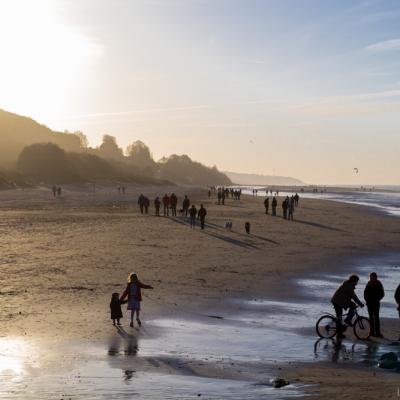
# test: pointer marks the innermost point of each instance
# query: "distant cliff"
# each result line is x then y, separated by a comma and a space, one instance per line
255, 179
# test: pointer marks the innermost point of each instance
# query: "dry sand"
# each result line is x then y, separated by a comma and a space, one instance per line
62, 258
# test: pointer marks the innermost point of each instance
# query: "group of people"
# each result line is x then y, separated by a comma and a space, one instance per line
121, 189
56, 190
170, 203
224, 193
288, 206
345, 298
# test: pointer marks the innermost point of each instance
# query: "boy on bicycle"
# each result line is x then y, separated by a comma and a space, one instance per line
345, 298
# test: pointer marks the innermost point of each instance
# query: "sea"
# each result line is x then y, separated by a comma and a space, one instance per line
385, 199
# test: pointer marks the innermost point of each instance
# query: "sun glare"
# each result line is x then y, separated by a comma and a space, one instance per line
12, 353
43, 60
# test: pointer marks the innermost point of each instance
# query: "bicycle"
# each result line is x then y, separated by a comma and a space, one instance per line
329, 326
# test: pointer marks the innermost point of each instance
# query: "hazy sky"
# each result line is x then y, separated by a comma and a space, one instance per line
303, 88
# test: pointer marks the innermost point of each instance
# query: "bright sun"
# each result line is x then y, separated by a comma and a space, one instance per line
42, 60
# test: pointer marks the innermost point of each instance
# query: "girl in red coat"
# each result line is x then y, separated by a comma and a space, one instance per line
134, 294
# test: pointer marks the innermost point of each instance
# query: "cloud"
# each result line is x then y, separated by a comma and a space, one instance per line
386, 45
141, 111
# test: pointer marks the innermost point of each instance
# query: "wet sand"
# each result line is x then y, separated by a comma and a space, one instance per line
62, 259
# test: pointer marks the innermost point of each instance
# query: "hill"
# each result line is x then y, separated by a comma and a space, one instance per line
17, 131
255, 179
34, 153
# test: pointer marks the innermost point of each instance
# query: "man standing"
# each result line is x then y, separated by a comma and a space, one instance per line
373, 294
141, 202
173, 200
192, 214
185, 205
397, 298
165, 201
202, 215
285, 205
157, 204
266, 205
344, 298
274, 205
290, 208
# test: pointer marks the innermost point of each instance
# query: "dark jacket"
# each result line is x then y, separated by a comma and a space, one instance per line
374, 292
397, 295
186, 203
193, 212
138, 295
345, 294
116, 312
202, 213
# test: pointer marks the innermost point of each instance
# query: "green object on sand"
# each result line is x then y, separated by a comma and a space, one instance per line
389, 361
279, 382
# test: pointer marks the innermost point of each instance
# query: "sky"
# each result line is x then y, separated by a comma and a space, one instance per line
301, 88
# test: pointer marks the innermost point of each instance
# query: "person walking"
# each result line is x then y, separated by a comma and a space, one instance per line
285, 205
202, 215
373, 294
266, 205
186, 205
134, 294
397, 298
219, 196
146, 204
345, 298
165, 201
192, 215
157, 205
290, 208
141, 203
173, 200
274, 205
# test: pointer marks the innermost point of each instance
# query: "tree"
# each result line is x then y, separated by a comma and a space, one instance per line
109, 149
83, 140
139, 154
46, 162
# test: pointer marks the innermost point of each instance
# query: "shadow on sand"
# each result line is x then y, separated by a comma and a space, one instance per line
227, 239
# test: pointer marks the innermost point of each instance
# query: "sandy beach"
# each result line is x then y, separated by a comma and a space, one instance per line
62, 258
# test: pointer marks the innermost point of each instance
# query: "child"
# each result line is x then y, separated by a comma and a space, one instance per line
115, 305
247, 227
134, 294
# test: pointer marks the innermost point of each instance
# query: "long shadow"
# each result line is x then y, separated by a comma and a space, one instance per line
319, 225
218, 236
261, 238
243, 234
231, 240
187, 222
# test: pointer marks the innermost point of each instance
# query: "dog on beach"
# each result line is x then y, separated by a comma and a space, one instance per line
228, 225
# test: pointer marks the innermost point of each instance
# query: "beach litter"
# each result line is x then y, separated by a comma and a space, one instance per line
389, 361
279, 382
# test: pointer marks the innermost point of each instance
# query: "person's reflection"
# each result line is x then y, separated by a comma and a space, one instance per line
131, 347
124, 339
370, 356
339, 349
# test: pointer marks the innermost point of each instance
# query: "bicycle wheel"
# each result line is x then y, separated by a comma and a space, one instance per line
362, 328
326, 326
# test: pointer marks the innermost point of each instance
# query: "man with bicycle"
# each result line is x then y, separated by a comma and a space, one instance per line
345, 298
